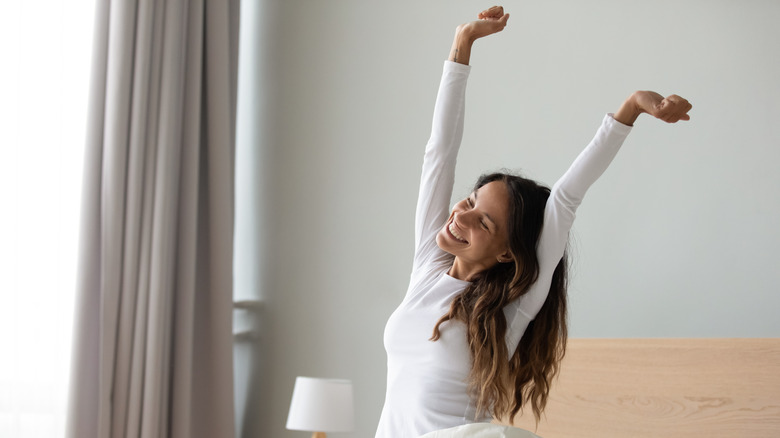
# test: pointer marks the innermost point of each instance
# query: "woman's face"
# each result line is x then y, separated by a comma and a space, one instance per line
476, 231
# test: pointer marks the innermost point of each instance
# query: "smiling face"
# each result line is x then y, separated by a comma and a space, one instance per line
476, 231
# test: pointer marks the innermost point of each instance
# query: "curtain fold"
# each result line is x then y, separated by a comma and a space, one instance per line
152, 354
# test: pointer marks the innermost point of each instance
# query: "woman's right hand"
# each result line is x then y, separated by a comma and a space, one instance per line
490, 21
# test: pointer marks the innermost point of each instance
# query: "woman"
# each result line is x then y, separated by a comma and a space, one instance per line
482, 328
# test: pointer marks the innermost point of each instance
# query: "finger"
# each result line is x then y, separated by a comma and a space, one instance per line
673, 106
676, 117
687, 107
663, 110
672, 109
494, 12
682, 107
679, 101
669, 116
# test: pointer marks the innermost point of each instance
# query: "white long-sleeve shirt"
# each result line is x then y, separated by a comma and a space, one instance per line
427, 381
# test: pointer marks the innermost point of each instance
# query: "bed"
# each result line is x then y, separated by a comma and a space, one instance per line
664, 387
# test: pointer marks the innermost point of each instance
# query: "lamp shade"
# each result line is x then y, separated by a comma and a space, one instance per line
321, 405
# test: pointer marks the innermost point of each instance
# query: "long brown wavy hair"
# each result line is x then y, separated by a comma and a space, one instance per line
501, 385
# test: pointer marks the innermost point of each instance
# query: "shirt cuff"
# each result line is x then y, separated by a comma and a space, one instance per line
612, 124
456, 67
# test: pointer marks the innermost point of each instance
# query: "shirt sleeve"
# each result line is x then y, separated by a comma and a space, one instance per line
438, 171
565, 196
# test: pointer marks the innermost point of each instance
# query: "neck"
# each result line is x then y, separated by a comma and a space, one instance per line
464, 271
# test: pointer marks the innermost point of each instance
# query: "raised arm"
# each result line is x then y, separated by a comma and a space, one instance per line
438, 173
569, 191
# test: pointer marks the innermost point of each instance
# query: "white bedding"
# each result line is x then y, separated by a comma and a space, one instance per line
481, 430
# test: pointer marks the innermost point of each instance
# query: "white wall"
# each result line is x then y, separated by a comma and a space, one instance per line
678, 239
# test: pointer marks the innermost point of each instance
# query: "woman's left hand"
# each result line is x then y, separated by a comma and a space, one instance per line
670, 109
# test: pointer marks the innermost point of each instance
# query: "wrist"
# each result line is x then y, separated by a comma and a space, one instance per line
461, 45
464, 34
629, 111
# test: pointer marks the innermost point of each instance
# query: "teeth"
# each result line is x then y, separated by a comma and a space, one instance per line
455, 233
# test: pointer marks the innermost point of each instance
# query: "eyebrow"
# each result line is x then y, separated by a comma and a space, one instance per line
495, 225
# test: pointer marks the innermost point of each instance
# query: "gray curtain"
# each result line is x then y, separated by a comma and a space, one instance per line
152, 354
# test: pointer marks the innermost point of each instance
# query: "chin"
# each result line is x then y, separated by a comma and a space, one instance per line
441, 242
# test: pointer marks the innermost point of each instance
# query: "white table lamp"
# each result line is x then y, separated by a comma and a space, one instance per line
321, 405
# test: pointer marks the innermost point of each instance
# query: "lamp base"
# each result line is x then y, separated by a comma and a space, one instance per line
318, 435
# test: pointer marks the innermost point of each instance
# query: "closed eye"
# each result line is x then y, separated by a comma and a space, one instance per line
470, 203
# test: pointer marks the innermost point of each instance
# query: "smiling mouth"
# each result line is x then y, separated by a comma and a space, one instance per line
455, 234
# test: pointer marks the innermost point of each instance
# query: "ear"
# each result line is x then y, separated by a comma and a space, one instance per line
505, 257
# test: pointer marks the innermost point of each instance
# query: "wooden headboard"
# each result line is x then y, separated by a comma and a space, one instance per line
664, 388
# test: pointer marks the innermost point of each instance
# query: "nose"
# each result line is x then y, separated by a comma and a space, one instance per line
466, 219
